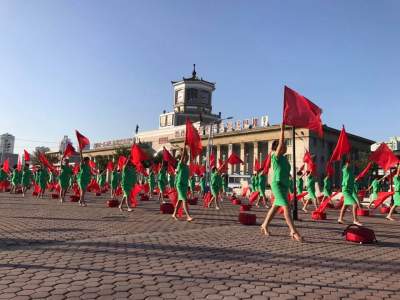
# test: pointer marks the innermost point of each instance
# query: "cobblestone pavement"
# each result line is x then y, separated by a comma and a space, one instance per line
55, 251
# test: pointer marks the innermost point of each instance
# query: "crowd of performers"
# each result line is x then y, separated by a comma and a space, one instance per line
177, 177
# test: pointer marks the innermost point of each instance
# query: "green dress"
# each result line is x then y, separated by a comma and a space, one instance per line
225, 183
280, 179
26, 177
16, 177
115, 179
3, 175
162, 180
43, 179
65, 177
396, 198
182, 178
102, 179
262, 182
152, 181
171, 180
253, 186
192, 184
84, 176
214, 183
128, 179
299, 185
375, 189
348, 186
290, 185
327, 187
202, 184
311, 187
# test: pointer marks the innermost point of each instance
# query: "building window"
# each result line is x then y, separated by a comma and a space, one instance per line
190, 95
288, 142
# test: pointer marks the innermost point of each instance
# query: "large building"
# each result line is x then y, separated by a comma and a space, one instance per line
250, 138
7, 143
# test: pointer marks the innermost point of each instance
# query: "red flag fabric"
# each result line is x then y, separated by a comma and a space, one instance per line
167, 156
142, 170
19, 165
329, 169
27, 157
382, 196
253, 197
45, 162
342, 147
223, 166
364, 172
233, 159
384, 157
110, 166
257, 166
121, 162
309, 161
266, 164
92, 164
171, 169
212, 160
192, 139
69, 150
6, 166
324, 204
298, 111
138, 155
75, 170
82, 140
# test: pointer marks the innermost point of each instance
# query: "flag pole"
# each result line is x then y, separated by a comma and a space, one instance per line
295, 210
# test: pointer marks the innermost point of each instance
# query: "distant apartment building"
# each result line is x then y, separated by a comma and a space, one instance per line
7, 143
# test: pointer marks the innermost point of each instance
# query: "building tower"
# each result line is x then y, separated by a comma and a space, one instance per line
192, 99
7, 143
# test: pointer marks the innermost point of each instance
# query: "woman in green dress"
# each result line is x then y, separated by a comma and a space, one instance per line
202, 185
375, 186
348, 194
215, 187
43, 179
128, 181
253, 186
261, 186
115, 179
64, 179
15, 180
83, 179
396, 196
152, 183
181, 182
280, 187
26, 179
171, 180
192, 185
162, 182
311, 191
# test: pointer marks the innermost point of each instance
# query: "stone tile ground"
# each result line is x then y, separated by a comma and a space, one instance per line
54, 251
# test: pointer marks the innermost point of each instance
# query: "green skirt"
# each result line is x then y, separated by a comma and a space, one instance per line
182, 192
349, 198
396, 198
280, 193
311, 195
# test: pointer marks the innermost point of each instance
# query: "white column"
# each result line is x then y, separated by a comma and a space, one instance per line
243, 158
230, 149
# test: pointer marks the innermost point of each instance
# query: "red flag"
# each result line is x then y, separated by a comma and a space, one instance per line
19, 165
342, 147
93, 166
212, 160
202, 170
298, 111
364, 172
142, 170
82, 140
167, 156
233, 159
266, 164
27, 157
384, 157
223, 166
110, 166
121, 162
69, 150
45, 162
6, 166
257, 166
138, 155
75, 170
309, 161
192, 139
171, 169
329, 169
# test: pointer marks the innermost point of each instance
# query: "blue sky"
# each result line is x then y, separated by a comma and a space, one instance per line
104, 66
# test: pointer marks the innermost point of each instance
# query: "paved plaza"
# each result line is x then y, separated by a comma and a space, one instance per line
55, 251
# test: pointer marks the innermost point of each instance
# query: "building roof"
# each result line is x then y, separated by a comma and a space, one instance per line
194, 78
